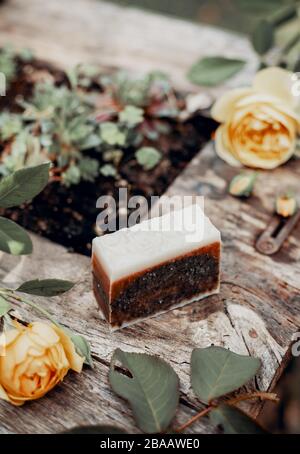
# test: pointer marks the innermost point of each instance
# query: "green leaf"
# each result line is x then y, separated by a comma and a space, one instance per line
4, 306
258, 7
263, 37
13, 238
97, 430
148, 157
26, 55
23, 185
212, 71
108, 170
131, 116
45, 287
82, 347
112, 134
72, 175
234, 421
216, 371
151, 389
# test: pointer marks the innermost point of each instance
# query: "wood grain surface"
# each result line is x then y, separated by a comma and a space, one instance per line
257, 310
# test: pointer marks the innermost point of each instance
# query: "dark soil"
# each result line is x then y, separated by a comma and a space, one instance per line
67, 215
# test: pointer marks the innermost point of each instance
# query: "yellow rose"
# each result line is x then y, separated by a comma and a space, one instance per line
35, 359
259, 124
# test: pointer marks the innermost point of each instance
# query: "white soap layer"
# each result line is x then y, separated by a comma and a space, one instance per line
154, 241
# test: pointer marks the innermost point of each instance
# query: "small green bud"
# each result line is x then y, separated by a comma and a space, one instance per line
242, 185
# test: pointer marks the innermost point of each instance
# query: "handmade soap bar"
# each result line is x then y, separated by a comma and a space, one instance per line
157, 265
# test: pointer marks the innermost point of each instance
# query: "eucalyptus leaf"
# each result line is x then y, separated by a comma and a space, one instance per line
45, 287
148, 157
13, 238
234, 421
97, 430
4, 306
151, 388
212, 71
23, 185
216, 371
263, 37
82, 347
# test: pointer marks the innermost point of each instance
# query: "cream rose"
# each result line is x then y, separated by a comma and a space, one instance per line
35, 359
259, 124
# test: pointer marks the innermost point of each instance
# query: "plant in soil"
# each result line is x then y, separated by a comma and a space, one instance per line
100, 132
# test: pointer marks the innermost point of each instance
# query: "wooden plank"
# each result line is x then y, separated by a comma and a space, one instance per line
256, 311
102, 33
87, 398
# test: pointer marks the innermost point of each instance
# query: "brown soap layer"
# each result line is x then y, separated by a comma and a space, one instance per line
158, 288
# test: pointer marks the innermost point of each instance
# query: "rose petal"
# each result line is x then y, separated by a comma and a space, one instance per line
225, 106
75, 361
43, 334
276, 82
3, 394
222, 151
254, 160
257, 100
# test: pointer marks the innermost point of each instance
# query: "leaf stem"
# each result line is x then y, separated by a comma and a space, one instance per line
256, 395
195, 418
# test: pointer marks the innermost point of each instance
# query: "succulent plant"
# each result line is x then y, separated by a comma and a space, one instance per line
55, 126
62, 124
8, 64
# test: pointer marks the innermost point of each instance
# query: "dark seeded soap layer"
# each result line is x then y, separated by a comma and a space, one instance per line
158, 288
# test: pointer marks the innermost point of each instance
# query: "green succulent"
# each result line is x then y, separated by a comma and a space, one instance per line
26, 151
8, 65
131, 116
112, 134
10, 125
136, 92
67, 130
60, 124
83, 75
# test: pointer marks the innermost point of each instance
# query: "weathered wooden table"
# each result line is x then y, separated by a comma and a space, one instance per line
258, 308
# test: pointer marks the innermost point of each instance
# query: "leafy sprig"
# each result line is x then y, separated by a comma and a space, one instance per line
277, 25
151, 387
16, 189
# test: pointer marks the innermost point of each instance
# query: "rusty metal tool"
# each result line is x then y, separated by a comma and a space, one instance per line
278, 230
